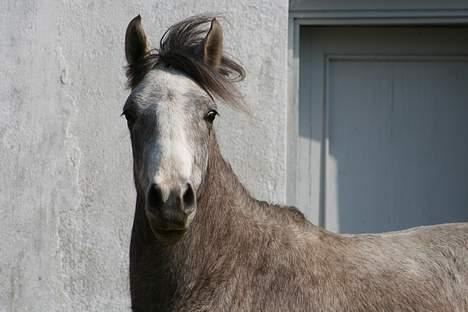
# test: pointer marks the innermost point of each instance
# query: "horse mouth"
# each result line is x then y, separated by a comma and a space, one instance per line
174, 227
168, 234
170, 231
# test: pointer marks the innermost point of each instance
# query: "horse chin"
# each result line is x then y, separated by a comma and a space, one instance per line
168, 236
168, 233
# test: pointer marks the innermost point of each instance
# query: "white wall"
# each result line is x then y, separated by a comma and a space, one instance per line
66, 190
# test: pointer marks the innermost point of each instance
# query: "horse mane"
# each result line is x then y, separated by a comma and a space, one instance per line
181, 49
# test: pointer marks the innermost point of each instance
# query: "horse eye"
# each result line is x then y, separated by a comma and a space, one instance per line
210, 116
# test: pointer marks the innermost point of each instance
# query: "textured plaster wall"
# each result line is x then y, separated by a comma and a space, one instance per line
66, 190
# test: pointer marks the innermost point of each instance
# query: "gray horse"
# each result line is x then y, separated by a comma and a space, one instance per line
200, 242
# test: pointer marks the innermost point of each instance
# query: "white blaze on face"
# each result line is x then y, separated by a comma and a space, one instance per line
173, 159
170, 156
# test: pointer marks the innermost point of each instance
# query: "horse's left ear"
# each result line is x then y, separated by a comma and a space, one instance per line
213, 45
136, 45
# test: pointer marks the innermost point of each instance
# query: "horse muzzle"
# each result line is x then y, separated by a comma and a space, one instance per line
170, 208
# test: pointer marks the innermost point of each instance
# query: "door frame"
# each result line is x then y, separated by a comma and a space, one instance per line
360, 15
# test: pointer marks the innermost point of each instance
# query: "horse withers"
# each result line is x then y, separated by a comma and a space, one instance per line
200, 242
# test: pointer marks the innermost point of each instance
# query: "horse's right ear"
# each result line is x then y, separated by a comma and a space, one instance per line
136, 45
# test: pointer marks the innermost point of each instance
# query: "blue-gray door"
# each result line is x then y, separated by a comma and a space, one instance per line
383, 127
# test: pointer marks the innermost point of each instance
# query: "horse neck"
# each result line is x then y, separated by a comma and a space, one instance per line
221, 190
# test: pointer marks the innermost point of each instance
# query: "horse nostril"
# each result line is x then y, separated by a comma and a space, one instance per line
188, 198
155, 196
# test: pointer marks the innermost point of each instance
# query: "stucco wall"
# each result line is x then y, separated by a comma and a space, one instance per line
66, 190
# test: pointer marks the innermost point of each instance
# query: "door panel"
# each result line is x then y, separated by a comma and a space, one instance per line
383, 127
